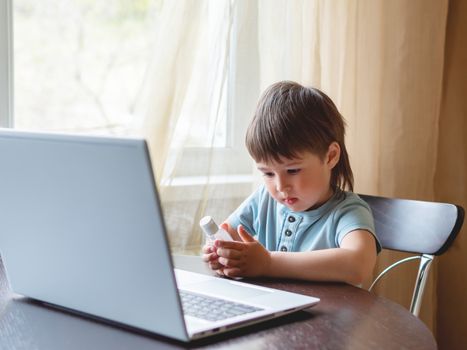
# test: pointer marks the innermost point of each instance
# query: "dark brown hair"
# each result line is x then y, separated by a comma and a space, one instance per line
291, 119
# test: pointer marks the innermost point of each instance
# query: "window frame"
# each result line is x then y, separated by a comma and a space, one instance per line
6, 64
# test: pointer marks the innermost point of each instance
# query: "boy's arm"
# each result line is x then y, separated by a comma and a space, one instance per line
353, 262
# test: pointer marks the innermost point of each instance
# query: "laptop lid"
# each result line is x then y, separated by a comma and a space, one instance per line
83, 229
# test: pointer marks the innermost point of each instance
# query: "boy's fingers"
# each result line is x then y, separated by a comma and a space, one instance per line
229, 263
207, 249
209, 257
220, 272
228, 253
215, 265
232, 232
228, 244
244, 235
232, 272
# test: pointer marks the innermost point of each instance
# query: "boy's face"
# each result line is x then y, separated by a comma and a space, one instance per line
301, 183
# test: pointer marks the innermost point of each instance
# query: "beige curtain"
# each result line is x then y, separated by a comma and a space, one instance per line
451, 180
394, 114
381, 62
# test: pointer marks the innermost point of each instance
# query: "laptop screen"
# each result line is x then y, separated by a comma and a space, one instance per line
81, 216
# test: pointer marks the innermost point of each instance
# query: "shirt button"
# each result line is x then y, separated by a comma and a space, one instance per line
283, 249
288, 233
291, 219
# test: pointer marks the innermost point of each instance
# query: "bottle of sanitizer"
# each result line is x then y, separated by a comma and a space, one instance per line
212, 231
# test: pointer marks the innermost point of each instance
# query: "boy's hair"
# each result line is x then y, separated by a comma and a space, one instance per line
290, 119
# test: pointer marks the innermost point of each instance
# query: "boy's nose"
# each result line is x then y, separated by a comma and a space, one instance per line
281, 185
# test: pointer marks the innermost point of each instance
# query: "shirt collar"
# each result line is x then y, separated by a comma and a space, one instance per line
313, 214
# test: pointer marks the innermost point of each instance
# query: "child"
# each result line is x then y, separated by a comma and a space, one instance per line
306, 226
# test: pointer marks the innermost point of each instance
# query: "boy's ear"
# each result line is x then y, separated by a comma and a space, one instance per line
333, 155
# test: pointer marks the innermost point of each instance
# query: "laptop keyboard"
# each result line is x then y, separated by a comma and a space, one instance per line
212, 309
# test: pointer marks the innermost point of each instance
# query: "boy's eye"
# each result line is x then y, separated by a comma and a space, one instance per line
293, 171
268, 174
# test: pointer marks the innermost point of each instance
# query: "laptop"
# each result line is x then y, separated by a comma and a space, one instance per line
82, 229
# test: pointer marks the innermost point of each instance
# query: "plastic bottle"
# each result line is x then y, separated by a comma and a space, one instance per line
212, 231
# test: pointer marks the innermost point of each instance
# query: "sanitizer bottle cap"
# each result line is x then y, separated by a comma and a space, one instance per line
208, 225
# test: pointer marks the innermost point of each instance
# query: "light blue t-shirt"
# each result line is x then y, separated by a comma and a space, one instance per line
279, 229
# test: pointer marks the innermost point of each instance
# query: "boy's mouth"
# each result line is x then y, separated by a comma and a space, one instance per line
290, 201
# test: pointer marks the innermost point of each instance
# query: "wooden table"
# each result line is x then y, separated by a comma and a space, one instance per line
346, 318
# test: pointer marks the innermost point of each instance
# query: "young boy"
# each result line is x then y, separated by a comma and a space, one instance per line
306, 226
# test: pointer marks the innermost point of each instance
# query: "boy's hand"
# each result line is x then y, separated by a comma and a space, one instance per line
245, 258
210, 257
209, 252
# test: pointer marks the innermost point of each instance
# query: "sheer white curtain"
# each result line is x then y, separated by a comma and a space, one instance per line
380, 61
200, 97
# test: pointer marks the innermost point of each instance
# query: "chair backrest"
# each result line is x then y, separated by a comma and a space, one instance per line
415, 226
420, 227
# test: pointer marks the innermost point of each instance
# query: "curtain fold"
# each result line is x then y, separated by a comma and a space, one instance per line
172, 67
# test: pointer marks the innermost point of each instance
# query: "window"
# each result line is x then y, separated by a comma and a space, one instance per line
79, 66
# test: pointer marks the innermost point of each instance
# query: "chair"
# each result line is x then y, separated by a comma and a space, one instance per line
426, 229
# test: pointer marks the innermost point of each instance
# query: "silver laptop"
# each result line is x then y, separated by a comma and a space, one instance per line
82, 228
